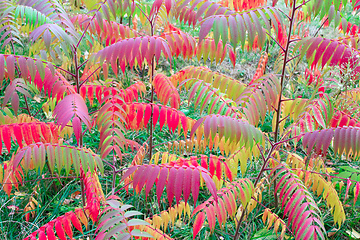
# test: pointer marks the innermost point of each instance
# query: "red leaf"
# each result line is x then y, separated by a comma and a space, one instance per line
204, 163
232, 56
198, 223
344, 120
144, 178
162, 117
155, 114
59, 230
184, 125
129, 172
168, 118
27, 136
219, 169
35, 133
42, 235
147, 114
352, 123
75, 221
45, 132
168, 6
139, 116
10, 67
175, 121
18, 134
67, 226
6, 137
228, 172
210, 215
212, 165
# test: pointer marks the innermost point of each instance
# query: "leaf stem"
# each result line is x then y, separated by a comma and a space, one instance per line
282, 48
266, 161
321, 26
89, 76
152, 94
27, 106
152, 111
87, 27
304, 3
278, 111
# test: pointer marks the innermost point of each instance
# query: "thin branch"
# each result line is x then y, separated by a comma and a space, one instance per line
295, 40
38, 111
321, 26
283, 75
271, 143
123, 188
284, 13
296, 8
237, 234
110, 165
289, 60
290, 99
89, 76
27, 105
284, 118
262, 154
60, 68
83, 63
276, 42
147, 17
289, 139
87, 27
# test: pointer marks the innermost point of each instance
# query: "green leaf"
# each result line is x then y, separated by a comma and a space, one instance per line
135, 222
138, 233
132, 213
40, 68
264, 234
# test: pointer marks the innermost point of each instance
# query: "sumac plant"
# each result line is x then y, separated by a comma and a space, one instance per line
98, 118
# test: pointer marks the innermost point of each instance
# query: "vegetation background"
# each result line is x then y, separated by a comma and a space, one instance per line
246, 112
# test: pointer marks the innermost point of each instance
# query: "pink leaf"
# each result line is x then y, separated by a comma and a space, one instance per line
161, 183
178, 186
76, 123
205, 28
195, 183
187, 183
356, 192
348, 184
171, 184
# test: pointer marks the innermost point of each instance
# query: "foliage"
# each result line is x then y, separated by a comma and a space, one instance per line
95, 109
